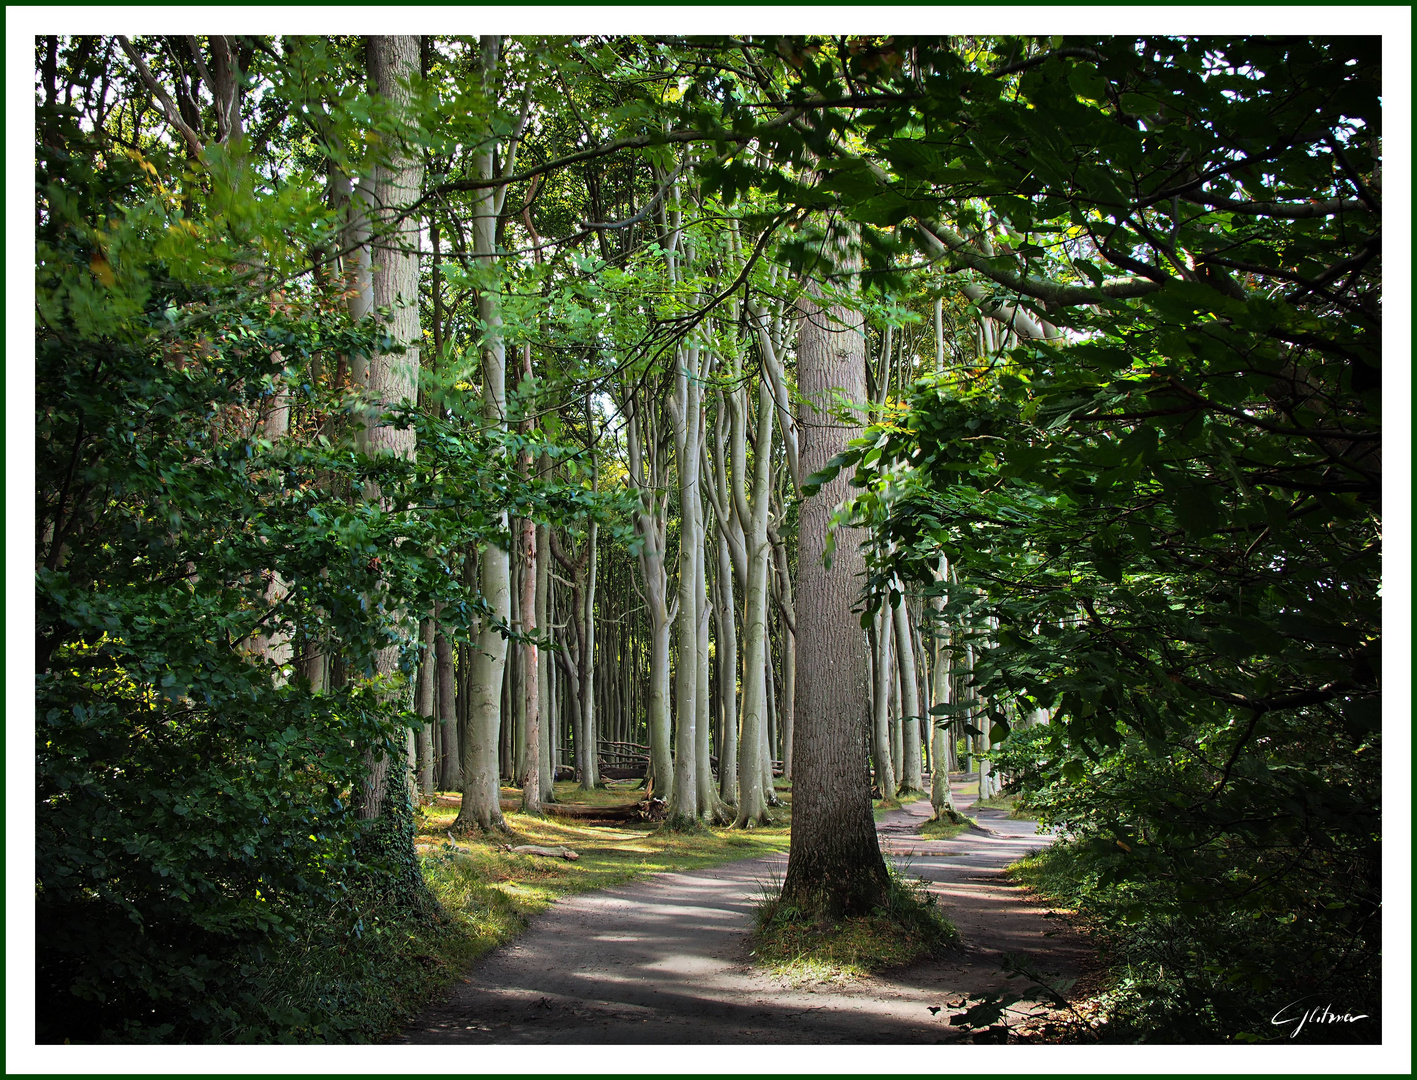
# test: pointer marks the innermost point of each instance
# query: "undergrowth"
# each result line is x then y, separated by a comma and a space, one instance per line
1016, 807
1198, 973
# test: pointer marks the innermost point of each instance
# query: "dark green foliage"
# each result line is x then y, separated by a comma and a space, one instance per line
1167, 523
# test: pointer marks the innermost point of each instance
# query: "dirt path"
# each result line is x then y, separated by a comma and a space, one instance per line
666, 960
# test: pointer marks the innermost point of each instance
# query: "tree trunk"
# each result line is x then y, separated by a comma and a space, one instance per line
910, 777
834, 866
789, 649
711, 807
545, 752
685, 414
590, 773
752, 796
727, 672
392, 380
531, 659
481, 803
427, 687
881, 741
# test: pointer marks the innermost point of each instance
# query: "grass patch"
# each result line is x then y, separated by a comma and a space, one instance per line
906, 927
881, 807
1011, 803
944, 829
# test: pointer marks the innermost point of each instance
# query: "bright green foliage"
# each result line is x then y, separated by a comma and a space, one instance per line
193, 797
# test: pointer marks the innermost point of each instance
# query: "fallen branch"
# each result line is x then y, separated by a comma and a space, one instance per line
549, 852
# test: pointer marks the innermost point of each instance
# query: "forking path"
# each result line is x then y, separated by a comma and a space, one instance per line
665, 960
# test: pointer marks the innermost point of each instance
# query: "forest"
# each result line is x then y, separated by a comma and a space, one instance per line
499, 423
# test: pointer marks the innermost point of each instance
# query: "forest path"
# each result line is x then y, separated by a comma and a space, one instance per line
665, 960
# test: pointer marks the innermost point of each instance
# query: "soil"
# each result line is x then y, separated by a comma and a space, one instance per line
666, 960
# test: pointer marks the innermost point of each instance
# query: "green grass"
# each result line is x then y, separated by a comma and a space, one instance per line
490, 894
906, 927
944, 829
881, 807
1012, 803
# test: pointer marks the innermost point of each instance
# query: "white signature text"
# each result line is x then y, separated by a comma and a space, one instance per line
1319, 1014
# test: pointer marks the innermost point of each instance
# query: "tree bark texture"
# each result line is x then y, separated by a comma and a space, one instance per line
392, 379
481, 803
834, 864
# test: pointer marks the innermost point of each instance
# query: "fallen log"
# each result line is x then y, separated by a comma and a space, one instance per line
550, 853
581, 812
622, 772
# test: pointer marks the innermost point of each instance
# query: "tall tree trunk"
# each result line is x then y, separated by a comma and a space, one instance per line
392, 380
481, 803
752, 746
531, 659
590, 773
545, 753
647, 473
910, 777
881, 748
834, 866
789, 648
727, 653
450, 771
427, 691
685, 414
711, 807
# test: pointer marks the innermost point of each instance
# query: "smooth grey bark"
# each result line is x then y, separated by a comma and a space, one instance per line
684, 413
910, 776
392, 379
531, 577
711, 807
726, 625
941, 798
752, 745
647, 474
788, 607
590, 772
481, 803
450, 771
543, 665
427, 685
731, 567
882, 629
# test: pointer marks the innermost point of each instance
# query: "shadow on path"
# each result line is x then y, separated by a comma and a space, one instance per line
666, 960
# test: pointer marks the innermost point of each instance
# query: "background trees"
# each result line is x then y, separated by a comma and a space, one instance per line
1110, 308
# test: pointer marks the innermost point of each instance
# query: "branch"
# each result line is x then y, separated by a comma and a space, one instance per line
1364, 192
1291, 211
170, 110
1068, 50
946, 244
